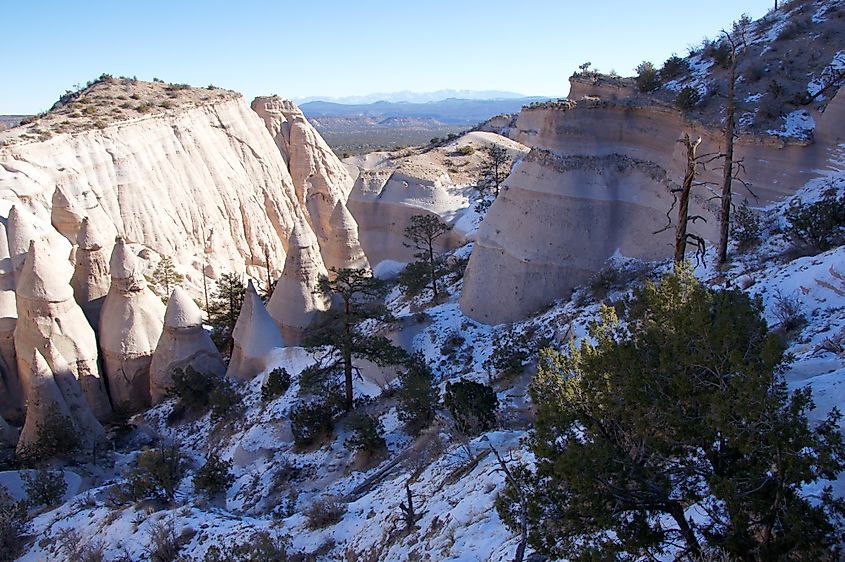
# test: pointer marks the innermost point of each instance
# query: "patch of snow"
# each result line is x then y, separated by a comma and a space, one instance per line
828, 75
388, 269
798, 124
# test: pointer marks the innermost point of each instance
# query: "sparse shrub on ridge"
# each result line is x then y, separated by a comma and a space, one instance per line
687, 98
259, 547
276, 384
819, 225
673, 68
324, 512
473, 406
647, 78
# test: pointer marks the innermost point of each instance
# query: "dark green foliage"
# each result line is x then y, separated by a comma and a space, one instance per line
422, 233
819, 225
687, 98
45, 487
720, 52
310, 422
647, 78
473, 406
12, 527
166, 276
682, 407
198, 392
417, 395
367, 433
156, 474
673, 68
276, 384
223, 310
357, 296
495, 170
510, 354
745, 226
414, 277
259, 547
466, 150
215, 476
56, 437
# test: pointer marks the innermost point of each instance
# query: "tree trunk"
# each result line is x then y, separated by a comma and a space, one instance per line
431, 265
683, 202
347, 355
677, 513
727, 177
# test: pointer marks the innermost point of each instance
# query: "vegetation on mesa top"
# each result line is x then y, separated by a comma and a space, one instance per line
108, 100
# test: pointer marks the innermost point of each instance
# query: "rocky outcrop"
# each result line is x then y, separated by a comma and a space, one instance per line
169, 181
23, 227
89, 428
45, 401
11, 396
65, 215
385, 197
131, 322
321, 181
183, 343
91, 280
255, 337
295, 299
48, 315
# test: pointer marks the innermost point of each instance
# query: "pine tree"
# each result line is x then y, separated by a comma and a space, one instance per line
496, 169
356, 293
681, 409
417, 394
423, 231
224, 308
166, 277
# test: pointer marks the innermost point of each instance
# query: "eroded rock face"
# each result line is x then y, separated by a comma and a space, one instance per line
24, 227
66, 216
295, 300
131, 322
44, 400
184, 343
91, 279
11, 396
48, 315
255, 336
321, 181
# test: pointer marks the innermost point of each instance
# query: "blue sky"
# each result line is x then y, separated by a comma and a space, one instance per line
338, 48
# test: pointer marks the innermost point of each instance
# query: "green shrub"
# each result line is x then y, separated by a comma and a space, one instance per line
224, 400
415, 278
417, 395
156, 474
745, 226
198, 392
13, 525
55, 436
215, 476
45, 487
819, 225
510, 354
466, 150
276, 384
647, 79
687, 98
720, 52
311, 421
472, 405
367, 433
673, 68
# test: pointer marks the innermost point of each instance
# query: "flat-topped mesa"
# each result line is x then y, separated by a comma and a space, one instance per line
131, 322
65, 215
91, 279
45, 402
11, 396
47, 313
23, 227
255, 337
183, 344
90, 430
344, 248
320, 179
296, 301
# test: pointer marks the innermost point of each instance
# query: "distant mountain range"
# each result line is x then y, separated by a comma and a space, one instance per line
451, 111
416, 97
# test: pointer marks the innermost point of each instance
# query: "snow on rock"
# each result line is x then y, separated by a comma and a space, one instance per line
797, 124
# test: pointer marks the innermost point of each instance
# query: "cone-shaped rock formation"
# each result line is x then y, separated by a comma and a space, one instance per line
255, 336
66, 215
344, 249
131, 322
45, 400
295, 299
11, 399
91, 280
184, 343
48, 313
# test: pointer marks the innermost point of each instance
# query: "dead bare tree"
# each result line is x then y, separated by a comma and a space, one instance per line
523, 503
408, 514
736, 40
685, 191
